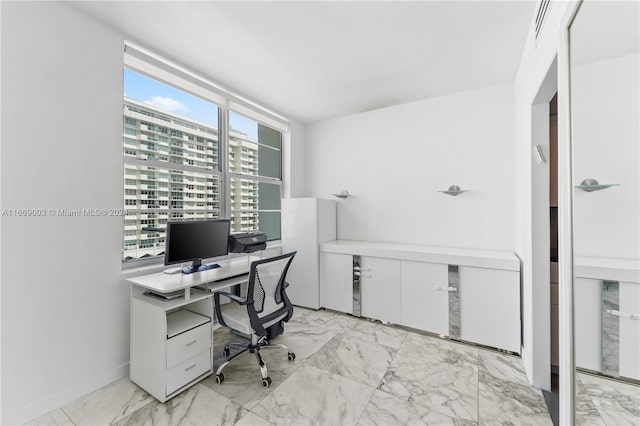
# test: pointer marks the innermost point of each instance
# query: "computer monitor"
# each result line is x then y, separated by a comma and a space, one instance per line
192, 241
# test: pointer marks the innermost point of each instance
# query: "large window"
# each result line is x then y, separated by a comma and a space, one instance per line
175, 169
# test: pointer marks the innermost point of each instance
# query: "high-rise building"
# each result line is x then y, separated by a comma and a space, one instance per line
243, 158
170, 173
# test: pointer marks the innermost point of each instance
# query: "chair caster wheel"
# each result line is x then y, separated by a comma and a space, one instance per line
219, 378
226, 351
266, 382
291, 356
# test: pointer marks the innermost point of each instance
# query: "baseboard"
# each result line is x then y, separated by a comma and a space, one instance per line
35, 409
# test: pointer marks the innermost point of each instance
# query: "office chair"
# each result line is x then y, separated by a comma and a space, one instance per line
261, 314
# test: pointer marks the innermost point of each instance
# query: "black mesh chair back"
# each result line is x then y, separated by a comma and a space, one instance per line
267, 288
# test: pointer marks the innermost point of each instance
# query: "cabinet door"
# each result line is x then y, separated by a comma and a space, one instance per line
587, 311
380, 288
424, 296
299, 233
490, 307
336, 282
630, 330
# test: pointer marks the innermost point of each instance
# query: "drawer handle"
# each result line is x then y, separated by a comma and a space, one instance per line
191, 343
191, 367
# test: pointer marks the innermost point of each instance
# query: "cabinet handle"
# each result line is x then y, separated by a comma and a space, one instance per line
190, 367
622, 314
191, 343
356, 273
452, 289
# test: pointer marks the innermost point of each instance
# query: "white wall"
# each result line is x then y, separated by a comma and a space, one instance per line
606, 98
65, 313
394, 160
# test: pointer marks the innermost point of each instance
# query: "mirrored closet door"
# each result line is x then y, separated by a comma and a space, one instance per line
605, 129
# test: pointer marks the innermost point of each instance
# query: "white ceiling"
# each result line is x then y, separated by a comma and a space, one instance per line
312, 61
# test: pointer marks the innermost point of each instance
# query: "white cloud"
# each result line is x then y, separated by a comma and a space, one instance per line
167, 104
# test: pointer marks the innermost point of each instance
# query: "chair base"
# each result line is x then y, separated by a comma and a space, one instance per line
256, 345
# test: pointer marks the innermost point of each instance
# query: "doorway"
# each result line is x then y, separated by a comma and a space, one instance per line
544, 239
552, 396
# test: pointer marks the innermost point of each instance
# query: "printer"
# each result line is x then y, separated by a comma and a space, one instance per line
247, 242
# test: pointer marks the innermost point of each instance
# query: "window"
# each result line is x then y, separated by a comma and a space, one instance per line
155, 172
255, 163
174, 170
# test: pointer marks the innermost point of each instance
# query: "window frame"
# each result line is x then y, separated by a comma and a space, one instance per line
151, 65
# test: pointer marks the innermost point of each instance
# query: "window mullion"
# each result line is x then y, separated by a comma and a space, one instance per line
225, 184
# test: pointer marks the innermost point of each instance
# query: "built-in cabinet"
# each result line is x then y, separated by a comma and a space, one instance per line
306, 223
426, 288
607, 317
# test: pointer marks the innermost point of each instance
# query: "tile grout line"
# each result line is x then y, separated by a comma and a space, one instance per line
590, 397
68, 416
365, 406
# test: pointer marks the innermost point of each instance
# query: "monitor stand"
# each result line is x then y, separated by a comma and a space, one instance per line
198, 266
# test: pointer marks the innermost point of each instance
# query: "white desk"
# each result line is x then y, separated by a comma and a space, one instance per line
172, 340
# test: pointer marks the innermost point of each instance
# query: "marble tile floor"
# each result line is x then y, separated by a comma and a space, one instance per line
602, 401
347, 371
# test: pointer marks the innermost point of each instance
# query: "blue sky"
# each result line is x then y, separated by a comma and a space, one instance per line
168, 99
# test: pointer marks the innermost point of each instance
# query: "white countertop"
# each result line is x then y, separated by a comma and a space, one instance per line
494, 259
603, 268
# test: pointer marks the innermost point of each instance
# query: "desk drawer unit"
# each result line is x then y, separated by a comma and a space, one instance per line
186, 345
188, 370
